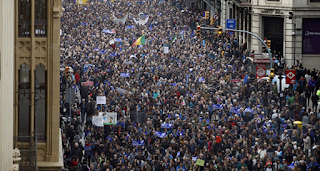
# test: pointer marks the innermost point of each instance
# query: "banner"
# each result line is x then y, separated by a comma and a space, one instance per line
166, 125
123, 20
160, 134
141, 21
101, 99
88, 83
235, 82
109, 118
97, 121
260, 71
137, 143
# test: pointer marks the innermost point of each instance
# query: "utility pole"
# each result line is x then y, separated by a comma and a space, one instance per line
243, 31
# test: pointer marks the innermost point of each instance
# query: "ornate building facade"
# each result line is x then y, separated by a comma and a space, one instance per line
36, 76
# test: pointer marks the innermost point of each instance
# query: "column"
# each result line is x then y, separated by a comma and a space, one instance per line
289, 41
255, 43
6, 84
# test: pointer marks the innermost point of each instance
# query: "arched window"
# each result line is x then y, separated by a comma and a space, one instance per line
24, 100
40, 101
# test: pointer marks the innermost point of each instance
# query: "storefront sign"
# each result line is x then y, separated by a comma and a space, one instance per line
260, 71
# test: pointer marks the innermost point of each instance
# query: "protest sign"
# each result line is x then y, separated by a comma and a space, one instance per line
101, 99
109, 118
88, 83
137, 143
200, 162
97, 121
166, 50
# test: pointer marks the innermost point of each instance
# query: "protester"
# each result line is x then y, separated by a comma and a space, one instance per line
181, 102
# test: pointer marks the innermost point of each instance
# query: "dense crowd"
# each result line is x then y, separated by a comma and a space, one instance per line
203, 107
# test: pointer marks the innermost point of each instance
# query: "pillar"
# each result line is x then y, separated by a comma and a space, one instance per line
6, 83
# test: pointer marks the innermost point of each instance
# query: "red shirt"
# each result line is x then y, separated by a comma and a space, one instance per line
77, 77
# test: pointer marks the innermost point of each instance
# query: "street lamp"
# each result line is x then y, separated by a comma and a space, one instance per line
280, 68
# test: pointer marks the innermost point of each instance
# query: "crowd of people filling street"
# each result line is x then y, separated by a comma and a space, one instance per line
151, 95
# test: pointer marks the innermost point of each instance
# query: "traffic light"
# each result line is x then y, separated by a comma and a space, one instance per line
269, 44
212, 21
220, 31
207, 15
271, 76
198, 33
66, 72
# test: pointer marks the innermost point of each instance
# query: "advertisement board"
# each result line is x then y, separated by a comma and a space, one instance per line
260, 71
311, 36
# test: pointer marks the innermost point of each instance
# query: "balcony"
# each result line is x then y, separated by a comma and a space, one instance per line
242, 3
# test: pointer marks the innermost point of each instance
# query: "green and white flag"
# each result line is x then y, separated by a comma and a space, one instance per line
174, 39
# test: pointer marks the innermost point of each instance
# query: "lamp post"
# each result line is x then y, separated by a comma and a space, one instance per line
280, 68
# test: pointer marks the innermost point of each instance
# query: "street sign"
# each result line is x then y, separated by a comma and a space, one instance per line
203, 14
290, 76
231, 24
216, 17
70, 95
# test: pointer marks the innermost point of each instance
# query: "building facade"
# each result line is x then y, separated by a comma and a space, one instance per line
293, 26
36, 76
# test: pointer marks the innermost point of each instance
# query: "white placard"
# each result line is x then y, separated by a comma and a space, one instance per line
101, 99
166, 50
97, 121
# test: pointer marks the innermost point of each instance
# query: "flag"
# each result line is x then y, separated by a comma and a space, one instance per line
117, 40
248, 109
124, 74
130, 26
137, 143
140, 41
234, 110
166, 125
108, 31
160, 134
174, 39
217, 106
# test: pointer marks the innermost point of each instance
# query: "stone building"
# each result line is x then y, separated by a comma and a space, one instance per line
30, 69
293, 26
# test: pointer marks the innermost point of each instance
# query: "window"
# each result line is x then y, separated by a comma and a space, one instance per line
40, 101
24, 101
24, 18
40, 18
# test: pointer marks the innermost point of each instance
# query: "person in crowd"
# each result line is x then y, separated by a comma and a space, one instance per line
151, 94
